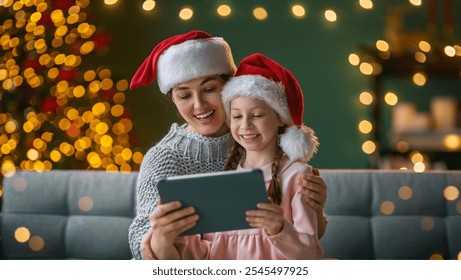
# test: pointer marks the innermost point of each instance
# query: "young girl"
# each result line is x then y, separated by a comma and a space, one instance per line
191, 69
264, 105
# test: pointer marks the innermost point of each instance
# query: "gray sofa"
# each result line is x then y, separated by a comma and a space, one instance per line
372, 215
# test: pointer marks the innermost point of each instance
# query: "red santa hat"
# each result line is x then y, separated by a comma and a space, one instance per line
185, 57
260, 77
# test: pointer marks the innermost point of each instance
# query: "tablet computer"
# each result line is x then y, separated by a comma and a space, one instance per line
220, 198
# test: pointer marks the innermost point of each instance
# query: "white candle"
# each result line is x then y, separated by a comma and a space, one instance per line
403, 116
444, 112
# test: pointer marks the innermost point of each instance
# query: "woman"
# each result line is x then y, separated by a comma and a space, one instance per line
191, 69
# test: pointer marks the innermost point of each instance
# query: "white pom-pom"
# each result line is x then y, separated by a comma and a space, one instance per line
299, 143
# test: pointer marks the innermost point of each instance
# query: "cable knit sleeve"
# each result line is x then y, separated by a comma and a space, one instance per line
158, 162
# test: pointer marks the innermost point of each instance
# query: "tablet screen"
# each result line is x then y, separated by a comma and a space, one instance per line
220, 198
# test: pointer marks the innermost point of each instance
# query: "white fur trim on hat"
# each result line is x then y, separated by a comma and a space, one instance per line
194, 59
299, 143
256, 86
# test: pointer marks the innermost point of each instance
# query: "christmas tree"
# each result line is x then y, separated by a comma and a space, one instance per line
57, 112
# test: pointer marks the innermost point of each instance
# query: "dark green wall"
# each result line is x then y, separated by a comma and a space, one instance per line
316, 51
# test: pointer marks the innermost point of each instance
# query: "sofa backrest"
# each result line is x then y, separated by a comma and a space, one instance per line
67, 215
372, 215
392, 214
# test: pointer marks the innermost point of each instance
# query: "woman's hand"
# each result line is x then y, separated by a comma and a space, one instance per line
269, 217
167, 223
314, 190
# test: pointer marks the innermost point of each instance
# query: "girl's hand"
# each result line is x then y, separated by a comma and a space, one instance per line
169, 221
314, 190
269, 217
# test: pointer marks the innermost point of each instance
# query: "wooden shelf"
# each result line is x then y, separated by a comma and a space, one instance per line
432, 143
430, 140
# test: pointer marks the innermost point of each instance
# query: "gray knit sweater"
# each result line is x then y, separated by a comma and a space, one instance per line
180, 152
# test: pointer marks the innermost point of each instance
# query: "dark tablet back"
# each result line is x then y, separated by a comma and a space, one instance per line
220, 199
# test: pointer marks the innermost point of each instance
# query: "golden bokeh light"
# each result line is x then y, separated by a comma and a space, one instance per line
117, 110
382, 45
452, 142
366, 4
137, 157
260, 13
298, 11
20, 184
85, 203
224, 10
186, 13
110, 2
416, 157
330, 15
391, 98
148, 5
354, 59
419, 79
449, 51
368, 147
365, 127
405, 192
36, 243
435, 256
32, 154
122, 85
55, 155
420, 57
387, 208
366, 68
419, 167
427, 223
451, 193
424, 46
22, 234
366, 98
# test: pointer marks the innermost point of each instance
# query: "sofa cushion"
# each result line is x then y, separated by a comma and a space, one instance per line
74, 214
408, 214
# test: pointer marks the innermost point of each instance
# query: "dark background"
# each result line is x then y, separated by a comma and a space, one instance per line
315, 50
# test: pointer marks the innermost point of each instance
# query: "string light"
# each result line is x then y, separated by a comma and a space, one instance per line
424, 46
419, 79
148, 5
298, 11
366, 98
260, 13
186, 13
354, 59
415, 2
110, 2
449, 51
224, 10
71, 117
391, 98
330, 15
366, 4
